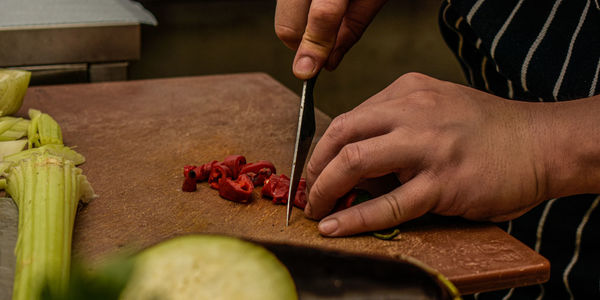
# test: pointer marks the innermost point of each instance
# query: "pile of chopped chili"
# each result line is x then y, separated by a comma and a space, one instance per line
235, 179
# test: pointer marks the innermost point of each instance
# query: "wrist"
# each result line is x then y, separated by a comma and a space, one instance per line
566, 146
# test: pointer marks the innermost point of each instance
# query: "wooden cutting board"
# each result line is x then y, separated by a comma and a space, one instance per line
137, 136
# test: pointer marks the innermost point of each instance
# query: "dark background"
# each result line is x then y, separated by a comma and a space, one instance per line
232, 36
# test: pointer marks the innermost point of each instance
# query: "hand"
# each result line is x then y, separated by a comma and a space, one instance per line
322, 31
457, 151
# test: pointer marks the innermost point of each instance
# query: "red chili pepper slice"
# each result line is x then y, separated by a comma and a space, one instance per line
300, 197
203, 171
277, 187
235, 164
189, 184
218, 171
258, 171
187, 169
239, 190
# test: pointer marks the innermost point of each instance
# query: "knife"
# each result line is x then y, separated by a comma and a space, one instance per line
304, 136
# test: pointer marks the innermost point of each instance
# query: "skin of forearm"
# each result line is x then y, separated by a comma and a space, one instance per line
567, 140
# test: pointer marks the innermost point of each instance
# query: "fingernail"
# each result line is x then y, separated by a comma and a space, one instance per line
328, 226
305, 66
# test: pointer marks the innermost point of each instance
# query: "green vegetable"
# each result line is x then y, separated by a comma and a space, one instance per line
104, 282
43, 130
12, 128
208, 267
7, 123
13, 85
4, 165
46, 189
387, 234
10, 147
58, 150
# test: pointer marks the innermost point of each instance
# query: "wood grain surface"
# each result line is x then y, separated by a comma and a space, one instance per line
137, 136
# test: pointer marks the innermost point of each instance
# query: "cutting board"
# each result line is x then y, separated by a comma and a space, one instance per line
138, 135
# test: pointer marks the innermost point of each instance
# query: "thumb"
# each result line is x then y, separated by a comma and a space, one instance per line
323, 24
411, 200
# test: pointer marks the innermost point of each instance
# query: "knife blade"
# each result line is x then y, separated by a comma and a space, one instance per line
304, 135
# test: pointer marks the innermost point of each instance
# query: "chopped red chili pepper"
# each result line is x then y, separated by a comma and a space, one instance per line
187, 169
258, 171
239, 190
235, 164
277, 187
300, 197
189, 184
203, 171
218, 171
220, 176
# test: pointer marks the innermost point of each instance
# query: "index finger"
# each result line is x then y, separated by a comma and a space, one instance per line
369, 158
323, 24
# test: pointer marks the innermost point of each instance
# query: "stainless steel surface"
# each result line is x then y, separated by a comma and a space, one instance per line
8, 238
108, 72
57, 74
76, 73
68, 44
304, 136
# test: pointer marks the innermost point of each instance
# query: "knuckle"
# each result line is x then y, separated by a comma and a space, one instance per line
351, 157
363, 220
337, 129
316, 194
318, 43
413, 80
393, 207
414, 77
325, 12
312, 170
288, 34
423, 99
355, 27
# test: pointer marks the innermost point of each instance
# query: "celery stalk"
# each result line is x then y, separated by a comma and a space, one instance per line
17, 131
7, 123
46, 189
58, 150
4, 165
11, 147
13, 86
32, 130
43, 130
49, 131
11, 135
